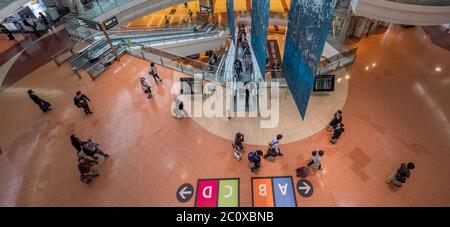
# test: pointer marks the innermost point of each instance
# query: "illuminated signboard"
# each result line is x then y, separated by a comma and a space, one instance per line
324, 83
111, 22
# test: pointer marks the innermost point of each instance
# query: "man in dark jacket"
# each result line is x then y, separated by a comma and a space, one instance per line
44, 105
76, 142
337, 133
81, 101
399, 177
255, 159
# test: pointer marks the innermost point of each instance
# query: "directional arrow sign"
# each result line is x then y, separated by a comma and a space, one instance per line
305, 188
185, 192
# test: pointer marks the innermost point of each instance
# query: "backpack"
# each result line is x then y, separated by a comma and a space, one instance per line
400, 177
252, 156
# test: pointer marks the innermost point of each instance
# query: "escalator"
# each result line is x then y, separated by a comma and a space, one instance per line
86, 55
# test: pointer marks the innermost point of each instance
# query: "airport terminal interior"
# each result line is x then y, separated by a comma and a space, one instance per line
225, 103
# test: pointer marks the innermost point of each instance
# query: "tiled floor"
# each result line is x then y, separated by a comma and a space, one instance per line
322, 106
396, 111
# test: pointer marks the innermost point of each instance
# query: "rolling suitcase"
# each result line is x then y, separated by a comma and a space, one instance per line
237, 155
302, 172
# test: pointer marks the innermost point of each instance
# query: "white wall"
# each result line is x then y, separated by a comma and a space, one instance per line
400, 13
13, 6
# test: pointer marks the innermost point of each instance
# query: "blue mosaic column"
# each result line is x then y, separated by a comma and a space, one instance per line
260, 23
308, 26
230, 17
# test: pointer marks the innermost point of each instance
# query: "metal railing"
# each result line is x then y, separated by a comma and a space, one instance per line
104, 62
337, 61
96, 8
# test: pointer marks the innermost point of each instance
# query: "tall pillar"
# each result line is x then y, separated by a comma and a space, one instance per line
308, 27
260, 23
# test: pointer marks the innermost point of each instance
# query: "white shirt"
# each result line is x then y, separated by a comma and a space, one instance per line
275, 144
316, 159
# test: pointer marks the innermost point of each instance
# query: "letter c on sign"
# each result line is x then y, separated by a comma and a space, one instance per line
230, 191
209, 188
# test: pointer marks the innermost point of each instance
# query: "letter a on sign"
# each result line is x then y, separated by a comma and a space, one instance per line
283, 188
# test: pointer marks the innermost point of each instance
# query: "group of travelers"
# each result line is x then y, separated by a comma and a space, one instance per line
88, 156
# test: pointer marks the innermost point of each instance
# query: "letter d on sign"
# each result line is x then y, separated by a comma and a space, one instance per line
207, 189
262, 190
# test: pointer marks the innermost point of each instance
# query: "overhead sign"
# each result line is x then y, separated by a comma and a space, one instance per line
305, 188
88, 23
217, 193
273, 192
185, 192
324, 83
111, 22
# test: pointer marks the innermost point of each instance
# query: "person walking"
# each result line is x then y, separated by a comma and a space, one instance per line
81, 101
337, 133
76, 143
316, 158
146, 88
92, 149
154, 72
179, 110
255, 159
337, 119
400, 176
274, 147
44, 105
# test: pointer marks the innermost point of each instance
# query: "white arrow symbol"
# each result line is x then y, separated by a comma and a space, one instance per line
183, 192
307, 187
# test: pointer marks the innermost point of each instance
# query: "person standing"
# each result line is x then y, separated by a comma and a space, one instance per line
337, 133
400, 176
190, 14
44, 105
186, 5
76, 142
7, 32
274, 147
81, 101
337, 119
43, 19
315, 161
167, 20
154, 72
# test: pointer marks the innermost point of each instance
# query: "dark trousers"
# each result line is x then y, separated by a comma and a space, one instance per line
86, 108
156, 76
45, 106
